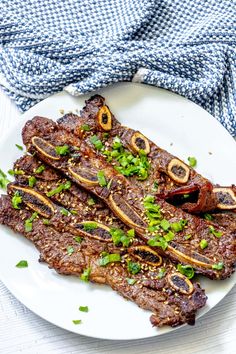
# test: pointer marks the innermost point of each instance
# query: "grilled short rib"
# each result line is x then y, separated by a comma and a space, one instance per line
170, 177
217, 261
164, 296
86, 204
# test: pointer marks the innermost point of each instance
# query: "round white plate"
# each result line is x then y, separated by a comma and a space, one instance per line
175, 124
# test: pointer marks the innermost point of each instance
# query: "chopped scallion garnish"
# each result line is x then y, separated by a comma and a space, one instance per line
101, 179
19, 147
29, 222
59, 189
16, 172
186, 270
109, 258
16, 200
218, 266
40, 169
3, 180
62, 150
85, 127
120, 237
131, 281
70, 250
217, 234
192, 161
22, 264
96, 142
64, 211
133, 267
31, 181
203, 244
85, 275
83, 308
78, 239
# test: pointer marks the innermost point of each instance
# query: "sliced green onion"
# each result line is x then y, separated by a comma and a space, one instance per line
218, 266
19, 147
3, 180
178, 226
32, 181
169, 236
16, 172
164, 224
101, 179
186, 270
59, 189
217, 234
109, 258
192, 161
83, 308
40, 169
22, 264
208, 216
161, 274
78, 239
133, 267
187, 237
85, 127
131, 281
64, 211
70, 250
203, 244
16, 200
76, 322
158, 241
62, 150
29, 222
85, 275
46, 222
155, 186
91, 201
120, 237
96, 142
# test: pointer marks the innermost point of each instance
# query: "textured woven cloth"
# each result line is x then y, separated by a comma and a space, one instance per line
187, 46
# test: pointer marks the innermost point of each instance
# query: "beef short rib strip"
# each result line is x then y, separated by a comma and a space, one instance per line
41, 136
169, 306
74, 198
201, 195
171, 177
77, 199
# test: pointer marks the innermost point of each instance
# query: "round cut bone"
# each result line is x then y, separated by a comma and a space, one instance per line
139, 142
146, 255
35, 201
104, 118
180, 283
178, 171
226, 198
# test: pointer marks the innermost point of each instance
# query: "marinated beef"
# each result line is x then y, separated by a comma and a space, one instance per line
171, 297
86, 204
91, 171
171, 178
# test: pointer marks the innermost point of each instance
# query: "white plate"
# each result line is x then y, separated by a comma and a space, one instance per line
175, 124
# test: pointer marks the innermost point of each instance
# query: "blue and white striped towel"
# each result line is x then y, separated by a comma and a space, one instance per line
187, 46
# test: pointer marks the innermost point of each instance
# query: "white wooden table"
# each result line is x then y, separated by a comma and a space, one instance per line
21, 331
